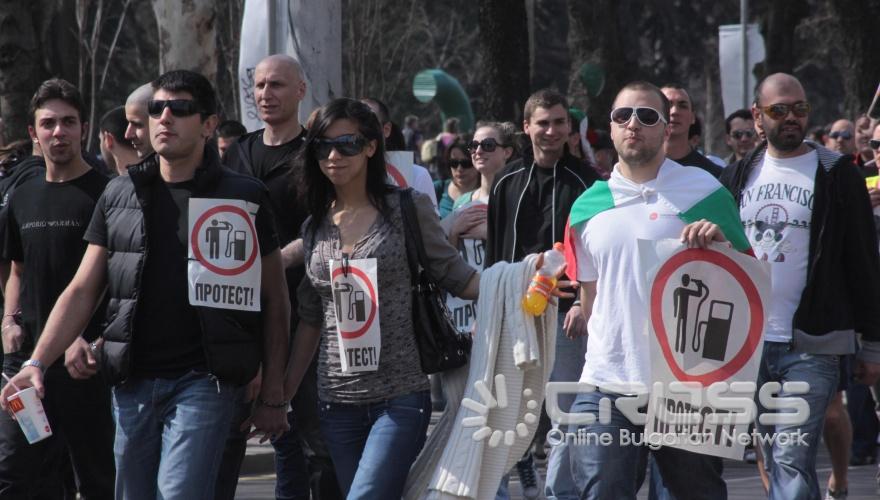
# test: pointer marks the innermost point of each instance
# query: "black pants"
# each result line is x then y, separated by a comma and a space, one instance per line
300, 453
82, 437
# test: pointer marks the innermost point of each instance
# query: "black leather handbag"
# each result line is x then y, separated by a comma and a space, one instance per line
441, 346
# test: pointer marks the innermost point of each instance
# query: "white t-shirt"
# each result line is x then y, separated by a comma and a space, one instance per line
422, 183
618, 346
776, 210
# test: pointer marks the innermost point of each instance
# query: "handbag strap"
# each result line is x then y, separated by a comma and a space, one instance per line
410, 234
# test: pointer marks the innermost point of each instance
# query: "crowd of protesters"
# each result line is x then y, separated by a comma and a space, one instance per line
150, 395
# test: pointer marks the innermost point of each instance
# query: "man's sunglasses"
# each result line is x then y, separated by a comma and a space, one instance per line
743, 134
780, 111
488, 144
646, 116
346, 145
179, 107
841, 134
875, 143
460, 163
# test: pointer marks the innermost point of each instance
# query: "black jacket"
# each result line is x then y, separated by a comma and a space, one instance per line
570, 179
842, 290
232, 340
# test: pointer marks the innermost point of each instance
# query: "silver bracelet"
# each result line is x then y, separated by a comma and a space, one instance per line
35, 363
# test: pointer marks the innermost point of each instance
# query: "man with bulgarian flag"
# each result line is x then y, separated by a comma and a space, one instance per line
650, 197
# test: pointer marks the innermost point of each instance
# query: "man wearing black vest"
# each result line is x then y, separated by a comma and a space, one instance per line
177, 346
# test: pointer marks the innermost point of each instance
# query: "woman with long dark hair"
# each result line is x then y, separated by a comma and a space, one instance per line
355, 302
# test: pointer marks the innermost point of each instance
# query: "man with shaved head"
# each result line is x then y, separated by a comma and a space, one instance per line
267, 154
138, 131
842, 137
807, 213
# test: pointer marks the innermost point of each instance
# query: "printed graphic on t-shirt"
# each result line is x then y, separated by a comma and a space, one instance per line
773, 221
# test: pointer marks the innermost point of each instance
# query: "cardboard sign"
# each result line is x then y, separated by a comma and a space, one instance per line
224, 254
400, 168
464, 312
707, 317
356, 302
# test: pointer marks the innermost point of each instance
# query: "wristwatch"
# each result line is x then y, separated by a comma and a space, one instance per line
35, 363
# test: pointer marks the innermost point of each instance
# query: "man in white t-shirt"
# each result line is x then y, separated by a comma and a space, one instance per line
807, 213
641, 199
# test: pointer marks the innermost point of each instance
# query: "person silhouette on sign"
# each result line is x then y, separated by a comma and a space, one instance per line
212, 236
681, 299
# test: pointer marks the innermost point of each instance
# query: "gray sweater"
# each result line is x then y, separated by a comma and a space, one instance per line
399, 371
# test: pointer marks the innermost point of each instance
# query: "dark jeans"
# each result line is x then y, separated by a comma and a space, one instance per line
374, 445
82, 426
302, 462
301, 455
233, 453
860, 406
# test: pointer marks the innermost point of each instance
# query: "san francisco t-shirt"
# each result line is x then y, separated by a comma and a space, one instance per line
776, 210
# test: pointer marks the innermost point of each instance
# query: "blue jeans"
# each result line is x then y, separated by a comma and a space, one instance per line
792, 468
618, 470
374, 445
568, 367
170, 435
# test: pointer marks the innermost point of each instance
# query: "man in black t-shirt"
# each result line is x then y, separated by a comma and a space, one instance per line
269, 155
681, 117
46, 218
185, 331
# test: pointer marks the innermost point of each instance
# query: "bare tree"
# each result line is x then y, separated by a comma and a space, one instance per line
19, 66
385, 43
187, 38
860, 64
504, 42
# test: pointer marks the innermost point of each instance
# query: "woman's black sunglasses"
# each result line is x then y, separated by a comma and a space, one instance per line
488, 144
346, 145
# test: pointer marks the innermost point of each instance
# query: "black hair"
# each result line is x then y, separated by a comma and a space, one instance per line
114, 123
395, 140
230, 128
314, 187
742, 114
384, 114
696, 128
181, 80
56, 88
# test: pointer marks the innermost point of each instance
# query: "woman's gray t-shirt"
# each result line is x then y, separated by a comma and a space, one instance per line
399, 371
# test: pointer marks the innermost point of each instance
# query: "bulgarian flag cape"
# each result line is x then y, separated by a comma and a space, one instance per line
689, 191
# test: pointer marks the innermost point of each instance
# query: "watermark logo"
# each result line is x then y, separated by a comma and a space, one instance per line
499, 400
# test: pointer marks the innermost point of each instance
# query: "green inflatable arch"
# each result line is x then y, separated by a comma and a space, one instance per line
447, 92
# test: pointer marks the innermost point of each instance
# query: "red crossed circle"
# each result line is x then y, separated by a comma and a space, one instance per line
360, 274
194, 241
756, 320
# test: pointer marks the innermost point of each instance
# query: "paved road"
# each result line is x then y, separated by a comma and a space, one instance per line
742, 481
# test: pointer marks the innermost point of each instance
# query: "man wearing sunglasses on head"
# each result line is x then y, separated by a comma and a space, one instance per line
177, 368
807, 212
741, 136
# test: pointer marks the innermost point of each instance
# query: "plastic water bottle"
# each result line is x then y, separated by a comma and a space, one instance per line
544, 281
